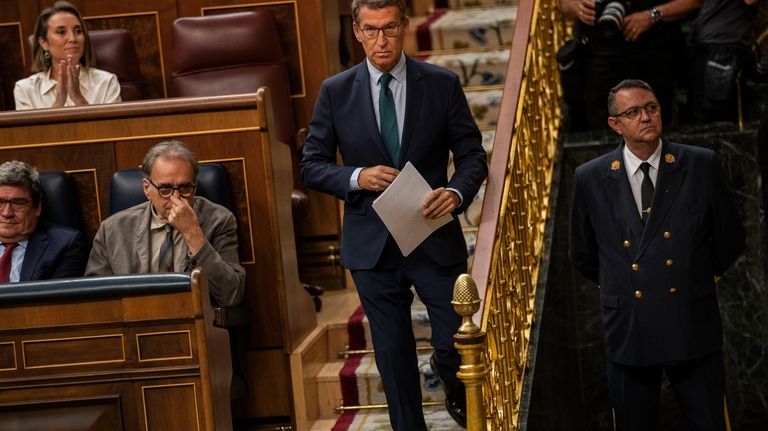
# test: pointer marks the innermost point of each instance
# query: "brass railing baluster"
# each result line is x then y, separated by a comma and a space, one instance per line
520, 197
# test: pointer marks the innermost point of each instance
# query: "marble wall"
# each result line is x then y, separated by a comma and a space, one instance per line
569, 389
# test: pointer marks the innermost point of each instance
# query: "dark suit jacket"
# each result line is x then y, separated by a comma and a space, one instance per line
657, 284
437, 119
53, 251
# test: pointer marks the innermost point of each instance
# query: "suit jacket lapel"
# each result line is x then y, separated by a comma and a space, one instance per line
141, 241
619, 193
361, 90
413, 100
36, 246
668, 181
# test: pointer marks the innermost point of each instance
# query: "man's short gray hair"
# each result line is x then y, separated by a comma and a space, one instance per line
20, 174
174, 149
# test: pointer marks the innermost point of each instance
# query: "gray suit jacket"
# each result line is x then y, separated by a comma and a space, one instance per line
121, 246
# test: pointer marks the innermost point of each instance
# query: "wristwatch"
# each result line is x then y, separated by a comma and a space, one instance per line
656, 15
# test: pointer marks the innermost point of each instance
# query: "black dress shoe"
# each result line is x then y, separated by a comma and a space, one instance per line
455, 403
458, 411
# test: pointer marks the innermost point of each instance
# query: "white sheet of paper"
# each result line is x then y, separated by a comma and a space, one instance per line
399, 207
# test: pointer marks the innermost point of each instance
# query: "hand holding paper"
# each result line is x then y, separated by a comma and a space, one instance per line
400, 208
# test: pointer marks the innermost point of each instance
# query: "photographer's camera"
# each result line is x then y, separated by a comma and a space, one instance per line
610, 14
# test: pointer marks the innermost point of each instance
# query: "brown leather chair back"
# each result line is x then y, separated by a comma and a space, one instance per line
231, 54
115, 52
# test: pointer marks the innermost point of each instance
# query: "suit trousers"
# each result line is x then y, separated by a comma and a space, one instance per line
698, 385
386, 296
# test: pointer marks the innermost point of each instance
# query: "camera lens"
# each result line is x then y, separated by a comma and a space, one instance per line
609, 22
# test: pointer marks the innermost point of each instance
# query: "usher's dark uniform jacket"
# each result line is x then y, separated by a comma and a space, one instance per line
657, 285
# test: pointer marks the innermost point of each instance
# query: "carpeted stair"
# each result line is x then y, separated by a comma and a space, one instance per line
470, 37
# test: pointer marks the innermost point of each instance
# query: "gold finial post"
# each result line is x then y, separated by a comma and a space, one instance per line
470, 341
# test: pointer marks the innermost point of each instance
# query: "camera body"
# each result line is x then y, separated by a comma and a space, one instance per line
610, 14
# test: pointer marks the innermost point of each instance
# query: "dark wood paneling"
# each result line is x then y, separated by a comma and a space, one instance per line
94, 141
90, 414
12, 65
88, 195
78, 368
179, 398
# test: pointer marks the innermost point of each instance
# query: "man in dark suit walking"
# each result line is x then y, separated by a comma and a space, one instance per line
380, 114
30, 250
653, 223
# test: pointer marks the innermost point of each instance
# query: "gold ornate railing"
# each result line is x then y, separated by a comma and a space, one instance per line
515, 210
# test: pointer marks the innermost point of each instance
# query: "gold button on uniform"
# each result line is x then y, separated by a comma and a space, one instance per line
638, 294
673, 290
627, 244
669, 262
635, 267
667, 234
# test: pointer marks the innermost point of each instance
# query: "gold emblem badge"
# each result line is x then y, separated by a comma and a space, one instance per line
615, 165
669, 158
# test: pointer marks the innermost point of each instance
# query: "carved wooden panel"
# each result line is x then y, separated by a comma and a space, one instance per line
87, 186
81, 369
164, 346
73, 351
89, 414
7, 356
179, 398
237, 182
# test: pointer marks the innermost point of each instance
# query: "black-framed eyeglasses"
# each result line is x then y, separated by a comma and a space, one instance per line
166, 190
390, 30
633, 113
18, 204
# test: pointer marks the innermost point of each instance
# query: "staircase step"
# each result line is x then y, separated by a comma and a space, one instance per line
484, 104
462, 29
361, 381
324, 424
476, 68
378, 420
329, 389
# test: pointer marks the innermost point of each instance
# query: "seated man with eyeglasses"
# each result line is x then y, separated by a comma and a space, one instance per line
174, 231
31, 249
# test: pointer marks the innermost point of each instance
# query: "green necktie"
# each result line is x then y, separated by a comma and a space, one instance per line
388, 119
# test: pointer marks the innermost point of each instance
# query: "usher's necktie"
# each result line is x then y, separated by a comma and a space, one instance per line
5, 262
388, 119
165, 262
646, 190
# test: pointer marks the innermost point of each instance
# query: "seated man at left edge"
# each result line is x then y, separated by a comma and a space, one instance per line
31, 248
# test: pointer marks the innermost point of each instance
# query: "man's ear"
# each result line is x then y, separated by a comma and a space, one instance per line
358, 34
145, 187
613, 122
